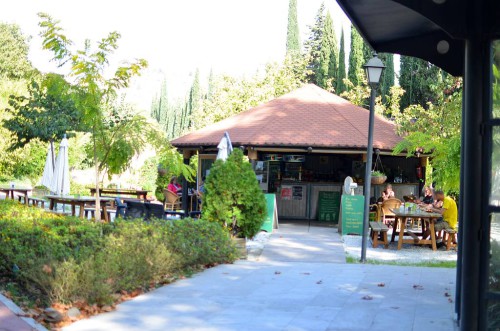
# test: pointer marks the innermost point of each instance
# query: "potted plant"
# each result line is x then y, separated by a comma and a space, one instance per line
378, 177
233, 197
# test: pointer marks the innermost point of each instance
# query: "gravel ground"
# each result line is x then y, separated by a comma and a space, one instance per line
408, 253
256, 245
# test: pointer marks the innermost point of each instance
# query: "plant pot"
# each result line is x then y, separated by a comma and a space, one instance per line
378, 180
241, 245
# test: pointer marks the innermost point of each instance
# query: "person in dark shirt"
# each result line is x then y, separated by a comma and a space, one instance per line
428, 197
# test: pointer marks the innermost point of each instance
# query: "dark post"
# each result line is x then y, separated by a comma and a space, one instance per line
185, 197
460, 220
367, 184
475, 192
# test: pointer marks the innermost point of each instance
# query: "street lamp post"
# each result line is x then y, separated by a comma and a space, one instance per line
374, 69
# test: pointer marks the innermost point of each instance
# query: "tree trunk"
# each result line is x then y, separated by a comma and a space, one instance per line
97, 193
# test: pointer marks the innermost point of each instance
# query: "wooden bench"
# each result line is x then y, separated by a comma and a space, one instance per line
36, 202
379, 232
450, 238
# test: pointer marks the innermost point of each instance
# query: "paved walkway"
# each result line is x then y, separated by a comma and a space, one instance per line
10, 321
299, 283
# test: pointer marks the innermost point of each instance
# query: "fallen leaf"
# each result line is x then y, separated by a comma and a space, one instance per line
277, 272
446, 294
418, 287
306, 273
319, 282
394, 307
225, 273
107, 309
367, 297
47, 269
381, 284
450, 300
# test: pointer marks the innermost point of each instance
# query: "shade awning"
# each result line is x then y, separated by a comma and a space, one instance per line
431, 30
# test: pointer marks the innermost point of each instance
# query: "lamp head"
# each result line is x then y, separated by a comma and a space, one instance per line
374, 69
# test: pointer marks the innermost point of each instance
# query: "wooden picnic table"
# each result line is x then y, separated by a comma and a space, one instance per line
9, 192
79, 201
426, 217
140, 194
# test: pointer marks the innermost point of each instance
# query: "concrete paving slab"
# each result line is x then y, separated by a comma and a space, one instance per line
299, 283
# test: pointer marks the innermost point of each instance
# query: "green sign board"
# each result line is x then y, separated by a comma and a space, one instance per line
328, 206
352, 214
271, 220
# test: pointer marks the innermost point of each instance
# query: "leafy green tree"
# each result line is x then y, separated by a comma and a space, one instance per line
435, 131
46, 114
87, 69
339, 83
14, 48
313, 44
232, 96
292, 32
356, 61
15, 73
233, 197
123, 135
419, 79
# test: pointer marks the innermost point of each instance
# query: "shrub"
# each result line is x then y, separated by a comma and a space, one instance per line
68, 259
233, 196
200, 242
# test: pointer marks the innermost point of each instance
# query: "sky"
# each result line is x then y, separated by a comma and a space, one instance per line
234, 37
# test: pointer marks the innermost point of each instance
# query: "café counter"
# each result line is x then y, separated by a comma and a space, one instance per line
299, 200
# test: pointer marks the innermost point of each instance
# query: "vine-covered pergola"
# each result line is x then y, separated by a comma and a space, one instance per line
456, 35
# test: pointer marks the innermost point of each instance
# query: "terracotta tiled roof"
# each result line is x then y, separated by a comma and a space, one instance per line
308, 116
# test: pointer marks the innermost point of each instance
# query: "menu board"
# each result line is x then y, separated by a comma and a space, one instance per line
352, 214
328, 206
297, 192
271, 220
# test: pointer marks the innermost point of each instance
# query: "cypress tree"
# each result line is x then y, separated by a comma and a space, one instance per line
194, 101
324, 55
313, 44
416, 77
211, 83
387, 79
355, 71
330, 36
340, 86
292, 34
367, 52
159, 106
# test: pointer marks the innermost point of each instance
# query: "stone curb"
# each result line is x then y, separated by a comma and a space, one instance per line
18, 311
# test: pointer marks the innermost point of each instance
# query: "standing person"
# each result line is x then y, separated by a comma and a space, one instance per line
174, 186
448, 210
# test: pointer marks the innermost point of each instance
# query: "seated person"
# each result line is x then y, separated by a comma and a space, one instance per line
388, 193
449, 211
201, 188
428, 199
174, 186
